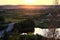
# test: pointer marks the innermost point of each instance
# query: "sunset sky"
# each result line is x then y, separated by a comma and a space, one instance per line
27, 2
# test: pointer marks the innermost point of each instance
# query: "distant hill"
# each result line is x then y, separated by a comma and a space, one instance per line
36, 8
25, 10
20, 6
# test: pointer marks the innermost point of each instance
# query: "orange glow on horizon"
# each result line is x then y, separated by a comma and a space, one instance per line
28, 7
32, 7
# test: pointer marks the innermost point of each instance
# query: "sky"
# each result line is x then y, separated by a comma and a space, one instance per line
27, 2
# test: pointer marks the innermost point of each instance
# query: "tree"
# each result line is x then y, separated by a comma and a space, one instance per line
52, 34
25, 26
6, 35
2, 19
15, 35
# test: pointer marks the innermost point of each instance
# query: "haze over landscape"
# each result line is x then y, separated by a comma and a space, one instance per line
39, 10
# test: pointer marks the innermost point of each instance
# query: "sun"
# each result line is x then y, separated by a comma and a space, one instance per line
28, 2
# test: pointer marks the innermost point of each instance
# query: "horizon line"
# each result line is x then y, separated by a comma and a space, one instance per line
29, 5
